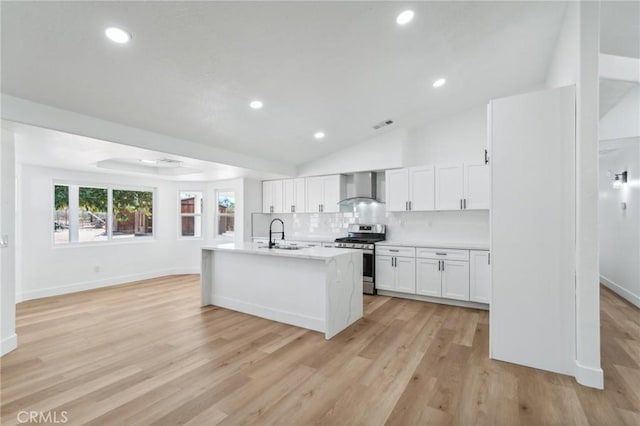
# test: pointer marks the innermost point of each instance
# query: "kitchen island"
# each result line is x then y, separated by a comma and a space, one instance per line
315, 288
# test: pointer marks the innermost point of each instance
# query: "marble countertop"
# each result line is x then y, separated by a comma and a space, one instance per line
464, 245
309, 238
318, 253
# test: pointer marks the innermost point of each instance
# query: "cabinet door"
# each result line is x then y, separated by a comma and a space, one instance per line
397, 189
278, 198
299, 192
449, 187
422, 188
455, 280
428, 277
405, 270
315, 192
267, 196
332, 193
479, 277
289, 195
384, 273
476, 186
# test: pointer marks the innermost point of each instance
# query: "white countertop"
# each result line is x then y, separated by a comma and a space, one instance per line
318, 253
309, 238
464, 245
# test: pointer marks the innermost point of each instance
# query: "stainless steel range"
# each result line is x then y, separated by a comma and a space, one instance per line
364, 237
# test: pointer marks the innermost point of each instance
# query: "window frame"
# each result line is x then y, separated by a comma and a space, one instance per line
110, 188
181, 215
216, 236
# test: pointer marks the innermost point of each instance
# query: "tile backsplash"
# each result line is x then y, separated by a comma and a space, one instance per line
412, 226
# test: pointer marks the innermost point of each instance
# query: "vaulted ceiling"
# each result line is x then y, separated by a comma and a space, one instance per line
192, 68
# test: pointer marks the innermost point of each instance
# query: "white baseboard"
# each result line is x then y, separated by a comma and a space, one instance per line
441, 300
8, 344
90, 285
621, 291
589, 376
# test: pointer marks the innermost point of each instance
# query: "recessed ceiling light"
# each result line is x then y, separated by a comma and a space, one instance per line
117, 35
148, 161
318, 135
256, 104
405, 17
439, 82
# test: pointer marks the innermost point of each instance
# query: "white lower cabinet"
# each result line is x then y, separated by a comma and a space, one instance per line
428, 277
455, 279
480, 278
396, 274
447, 273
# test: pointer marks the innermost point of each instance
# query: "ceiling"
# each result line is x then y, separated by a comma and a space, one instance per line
42, 147
340, 67
612, 92
620, 28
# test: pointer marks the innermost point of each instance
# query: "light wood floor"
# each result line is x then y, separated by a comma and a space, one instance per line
147, 353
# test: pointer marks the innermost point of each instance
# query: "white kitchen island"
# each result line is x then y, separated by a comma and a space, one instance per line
316, 288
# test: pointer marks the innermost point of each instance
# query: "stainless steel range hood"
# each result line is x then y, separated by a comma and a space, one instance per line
363, 189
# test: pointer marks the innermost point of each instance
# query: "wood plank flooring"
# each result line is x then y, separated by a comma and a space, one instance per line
147, 353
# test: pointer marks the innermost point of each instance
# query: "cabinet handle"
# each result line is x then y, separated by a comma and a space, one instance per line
486, 158
319, 208
441, 254
461, 204
394, 250
410, 206
322, 207
442, 264
489, 259
293, 209
439, 264
270, 209
406, 206
465, 203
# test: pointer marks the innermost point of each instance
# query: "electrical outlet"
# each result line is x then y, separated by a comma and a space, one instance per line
96, 268
4, 241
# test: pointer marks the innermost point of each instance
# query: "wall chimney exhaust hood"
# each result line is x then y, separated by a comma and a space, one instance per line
363, 189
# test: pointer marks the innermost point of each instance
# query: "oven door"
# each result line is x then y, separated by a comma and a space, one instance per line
368, 271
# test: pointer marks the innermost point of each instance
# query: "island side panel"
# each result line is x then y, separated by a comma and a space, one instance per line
285, 289
344, 292
206, 277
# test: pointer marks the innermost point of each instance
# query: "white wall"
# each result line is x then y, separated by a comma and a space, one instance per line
8, 338
48, 270
620, 228
623, 120
453, 138
576, 61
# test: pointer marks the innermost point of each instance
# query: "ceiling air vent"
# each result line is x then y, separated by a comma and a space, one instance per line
167, 162
382, 124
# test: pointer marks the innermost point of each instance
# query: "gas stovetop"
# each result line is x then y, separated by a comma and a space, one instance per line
362, 236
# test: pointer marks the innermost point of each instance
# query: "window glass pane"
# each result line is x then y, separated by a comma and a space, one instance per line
132, 213
226, 213
61, 214
93, 214
191, 202
190, 211
191, 226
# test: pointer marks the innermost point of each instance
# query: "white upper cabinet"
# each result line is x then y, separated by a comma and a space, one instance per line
422, 188
449, 187
272, 196
410, 189
294, 191
323, 193
397, 188
463, 186
476, 186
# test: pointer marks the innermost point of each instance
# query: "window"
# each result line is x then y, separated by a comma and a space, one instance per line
226, 214
191, 214
91, 214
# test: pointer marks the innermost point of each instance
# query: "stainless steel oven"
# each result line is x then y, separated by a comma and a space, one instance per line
364, 237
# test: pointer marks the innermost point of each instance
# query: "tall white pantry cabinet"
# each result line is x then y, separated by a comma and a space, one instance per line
532, 219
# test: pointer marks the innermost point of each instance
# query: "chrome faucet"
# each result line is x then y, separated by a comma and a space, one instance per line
272, 242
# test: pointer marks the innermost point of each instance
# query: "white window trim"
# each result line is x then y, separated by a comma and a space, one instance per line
181, 215
109, 188
216, 236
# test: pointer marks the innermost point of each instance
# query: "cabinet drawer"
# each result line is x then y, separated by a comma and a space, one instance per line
444, 254
395, 251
